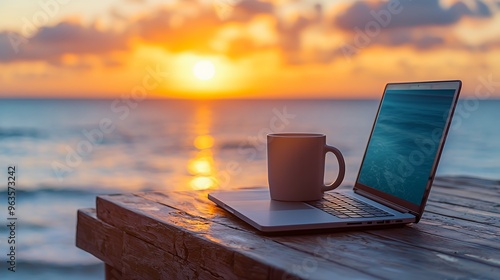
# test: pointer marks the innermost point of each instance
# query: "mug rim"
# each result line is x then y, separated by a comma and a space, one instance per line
296, 135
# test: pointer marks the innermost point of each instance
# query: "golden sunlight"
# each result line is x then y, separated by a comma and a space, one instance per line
201, 165
202, 183
204, 142
204, 70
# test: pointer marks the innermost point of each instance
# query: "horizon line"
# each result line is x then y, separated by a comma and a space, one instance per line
218, 99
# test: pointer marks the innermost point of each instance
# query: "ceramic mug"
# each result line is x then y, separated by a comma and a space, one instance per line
296, 166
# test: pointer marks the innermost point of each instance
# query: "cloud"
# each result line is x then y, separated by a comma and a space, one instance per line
290, 40
178, 32
246, 9
7, 52
418, 39
187, 26
422, 25
50, 43
74, 38
407, 13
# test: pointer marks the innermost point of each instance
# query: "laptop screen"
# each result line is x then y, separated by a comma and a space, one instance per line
406, 139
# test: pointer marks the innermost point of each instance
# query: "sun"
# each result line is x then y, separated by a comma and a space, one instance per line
204, 70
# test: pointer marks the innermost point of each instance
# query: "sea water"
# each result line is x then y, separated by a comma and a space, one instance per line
68, 151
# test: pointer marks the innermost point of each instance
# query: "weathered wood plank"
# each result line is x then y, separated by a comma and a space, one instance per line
189, 206
468, 183
145, 261
460, 230
98, 238
112, 273
462, 249
465, 249
229, 250
465, 194
183, 235
464, 213
197, 204
467, 188
390, 258
488, 208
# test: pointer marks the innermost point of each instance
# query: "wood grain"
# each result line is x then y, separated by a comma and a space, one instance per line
112, 273
182, 235
98, 238
227, 252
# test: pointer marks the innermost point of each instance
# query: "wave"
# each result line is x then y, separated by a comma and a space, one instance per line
28, 226
20, 133
239, 145
38, 264
34, 267
58, 191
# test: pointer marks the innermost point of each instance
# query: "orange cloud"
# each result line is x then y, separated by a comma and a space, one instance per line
52, 43
258, 46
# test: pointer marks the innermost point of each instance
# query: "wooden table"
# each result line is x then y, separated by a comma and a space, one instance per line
182, 235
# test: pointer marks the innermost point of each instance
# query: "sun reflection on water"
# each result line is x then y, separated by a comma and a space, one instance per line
202, 183
202, 165
204, 142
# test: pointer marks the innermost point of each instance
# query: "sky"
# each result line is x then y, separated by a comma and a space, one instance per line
244, 48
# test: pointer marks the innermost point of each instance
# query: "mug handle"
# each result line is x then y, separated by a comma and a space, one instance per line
341, 161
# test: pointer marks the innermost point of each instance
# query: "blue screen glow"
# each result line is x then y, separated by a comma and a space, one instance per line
405, 141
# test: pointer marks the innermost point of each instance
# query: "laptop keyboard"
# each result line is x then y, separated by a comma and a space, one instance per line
345, 207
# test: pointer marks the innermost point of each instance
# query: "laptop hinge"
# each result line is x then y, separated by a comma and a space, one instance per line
383, 201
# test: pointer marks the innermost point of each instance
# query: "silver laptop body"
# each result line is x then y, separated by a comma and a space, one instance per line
395, 176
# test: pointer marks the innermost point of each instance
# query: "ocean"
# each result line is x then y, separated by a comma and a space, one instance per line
68, 151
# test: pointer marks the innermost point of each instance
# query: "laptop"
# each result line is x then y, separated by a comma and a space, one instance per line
395, 175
